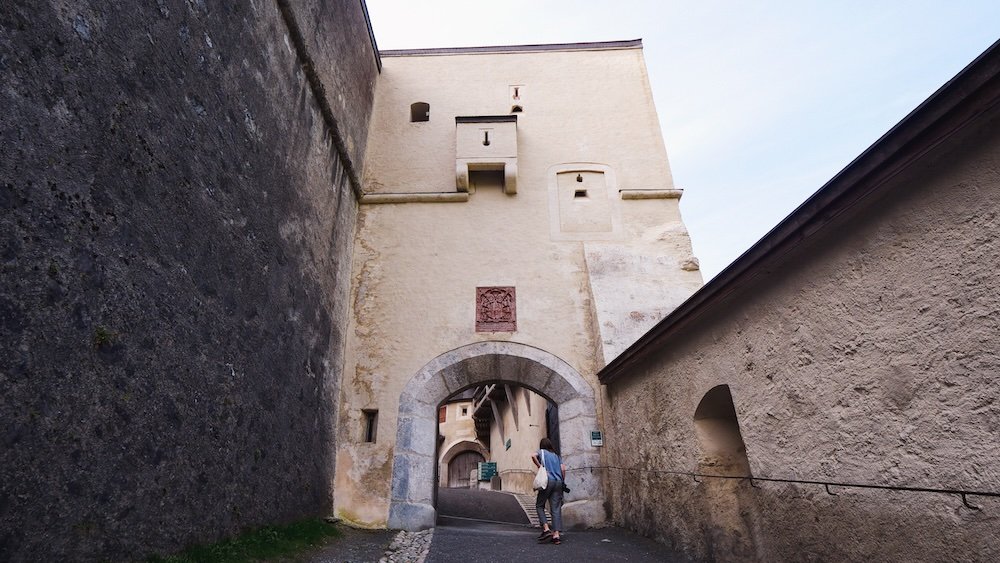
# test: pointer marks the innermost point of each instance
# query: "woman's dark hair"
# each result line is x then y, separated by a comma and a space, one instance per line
546, 444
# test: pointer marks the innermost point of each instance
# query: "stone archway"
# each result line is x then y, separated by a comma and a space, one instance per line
412, 503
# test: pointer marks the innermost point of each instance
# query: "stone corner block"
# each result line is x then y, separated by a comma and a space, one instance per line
416, 434
411, 478
583, 514
576, 407
412, 517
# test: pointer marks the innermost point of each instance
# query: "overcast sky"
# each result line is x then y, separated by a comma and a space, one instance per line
760, 103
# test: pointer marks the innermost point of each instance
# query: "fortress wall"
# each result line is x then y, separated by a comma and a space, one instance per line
867, 354
175, 238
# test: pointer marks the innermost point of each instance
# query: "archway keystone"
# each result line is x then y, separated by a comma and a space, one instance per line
412, 504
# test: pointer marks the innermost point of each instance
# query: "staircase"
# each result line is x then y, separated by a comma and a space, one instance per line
527, 502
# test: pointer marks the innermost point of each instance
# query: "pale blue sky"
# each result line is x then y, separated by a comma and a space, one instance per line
760, 103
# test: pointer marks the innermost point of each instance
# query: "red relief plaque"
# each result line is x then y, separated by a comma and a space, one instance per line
496, 309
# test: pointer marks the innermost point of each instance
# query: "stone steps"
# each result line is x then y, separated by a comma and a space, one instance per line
527, 502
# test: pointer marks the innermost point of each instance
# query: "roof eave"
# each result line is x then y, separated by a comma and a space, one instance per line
495, 49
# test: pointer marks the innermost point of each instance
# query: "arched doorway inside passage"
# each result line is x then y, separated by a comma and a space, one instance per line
448, 474
414, 460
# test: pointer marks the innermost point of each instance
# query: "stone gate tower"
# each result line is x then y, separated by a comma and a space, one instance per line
519, 224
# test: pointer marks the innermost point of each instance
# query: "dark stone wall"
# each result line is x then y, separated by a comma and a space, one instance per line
175, 238
329, 27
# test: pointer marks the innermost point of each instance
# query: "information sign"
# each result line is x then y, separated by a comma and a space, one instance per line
487, 469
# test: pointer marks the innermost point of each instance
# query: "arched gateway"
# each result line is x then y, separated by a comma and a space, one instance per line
412, 505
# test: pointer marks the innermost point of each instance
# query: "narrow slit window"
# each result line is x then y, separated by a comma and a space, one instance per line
420, 111
580, 194
371, 424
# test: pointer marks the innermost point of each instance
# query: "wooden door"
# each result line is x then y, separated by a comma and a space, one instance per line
460, 467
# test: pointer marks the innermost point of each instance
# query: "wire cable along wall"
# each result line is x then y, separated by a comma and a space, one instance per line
963, 493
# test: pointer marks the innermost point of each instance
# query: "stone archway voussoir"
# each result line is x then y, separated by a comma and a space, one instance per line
568, 410
425, 387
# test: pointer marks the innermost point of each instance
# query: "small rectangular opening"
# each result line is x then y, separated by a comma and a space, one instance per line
580, 193
371, 424
486, 179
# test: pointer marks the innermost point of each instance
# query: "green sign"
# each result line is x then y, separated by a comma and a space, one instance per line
487, 469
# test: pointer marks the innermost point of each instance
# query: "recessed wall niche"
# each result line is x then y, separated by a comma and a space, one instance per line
583, 202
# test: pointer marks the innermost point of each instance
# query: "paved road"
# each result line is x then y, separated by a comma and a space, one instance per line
463, 535
490, 527
466, 540
483, 505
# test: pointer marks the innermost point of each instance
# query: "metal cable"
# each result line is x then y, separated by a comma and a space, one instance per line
826, 484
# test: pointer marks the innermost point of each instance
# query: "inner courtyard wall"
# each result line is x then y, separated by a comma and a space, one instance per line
417, 265
176, 226
514, 463
864, 355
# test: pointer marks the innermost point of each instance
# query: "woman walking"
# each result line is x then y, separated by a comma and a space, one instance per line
553, 491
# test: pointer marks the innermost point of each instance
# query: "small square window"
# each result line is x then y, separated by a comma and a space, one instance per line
420, 111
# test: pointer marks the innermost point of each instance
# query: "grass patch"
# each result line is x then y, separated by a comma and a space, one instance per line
260, 544
103, 337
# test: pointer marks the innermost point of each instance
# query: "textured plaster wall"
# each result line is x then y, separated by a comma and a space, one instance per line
578, 106
582, 110
868, 355
175, 234
417, 266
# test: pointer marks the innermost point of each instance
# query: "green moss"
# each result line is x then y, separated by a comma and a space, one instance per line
103, 337
260, 544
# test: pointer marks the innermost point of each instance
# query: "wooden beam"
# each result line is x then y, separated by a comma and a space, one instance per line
513, 404
496, 417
